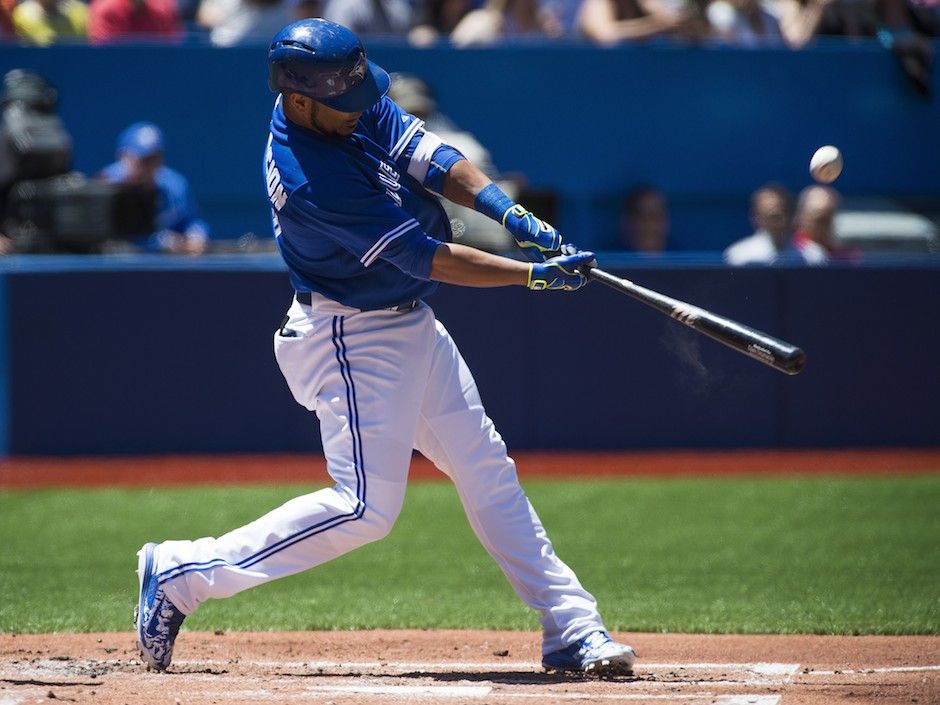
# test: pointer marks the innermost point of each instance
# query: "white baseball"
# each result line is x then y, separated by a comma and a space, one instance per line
826, 164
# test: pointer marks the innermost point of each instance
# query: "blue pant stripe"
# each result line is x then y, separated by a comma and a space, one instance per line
353, 409
347, 379
357, 433
353, 429
184, 568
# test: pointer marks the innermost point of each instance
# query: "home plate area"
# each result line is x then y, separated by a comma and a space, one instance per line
474, 667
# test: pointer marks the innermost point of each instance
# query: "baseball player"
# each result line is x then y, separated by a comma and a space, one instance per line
351, 178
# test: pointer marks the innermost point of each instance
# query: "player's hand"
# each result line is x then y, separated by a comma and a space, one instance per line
560, 273
536, 237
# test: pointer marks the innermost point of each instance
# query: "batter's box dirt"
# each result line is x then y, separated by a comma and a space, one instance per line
471, 667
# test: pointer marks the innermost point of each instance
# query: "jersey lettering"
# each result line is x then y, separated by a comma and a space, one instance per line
276, 193
390, 179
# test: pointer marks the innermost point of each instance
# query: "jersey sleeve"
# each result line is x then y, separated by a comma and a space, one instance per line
415, 149
187, 222
366, 223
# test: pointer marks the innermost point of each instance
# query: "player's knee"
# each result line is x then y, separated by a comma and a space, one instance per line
378, 519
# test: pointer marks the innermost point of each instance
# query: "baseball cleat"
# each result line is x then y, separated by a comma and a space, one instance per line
157, 619
596, 654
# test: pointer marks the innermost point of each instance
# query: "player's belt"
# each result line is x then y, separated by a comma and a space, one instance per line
306, 298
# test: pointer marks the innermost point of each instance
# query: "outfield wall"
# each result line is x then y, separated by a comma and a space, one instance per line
160, 355
707, 125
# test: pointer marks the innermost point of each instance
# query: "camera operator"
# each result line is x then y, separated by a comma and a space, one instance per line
33, 143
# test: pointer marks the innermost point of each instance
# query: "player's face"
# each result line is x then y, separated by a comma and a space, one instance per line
318, 117
333, 122
142, 170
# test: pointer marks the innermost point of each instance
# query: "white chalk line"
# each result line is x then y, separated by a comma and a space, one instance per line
479, 692
763, 669
865, 671
751, 674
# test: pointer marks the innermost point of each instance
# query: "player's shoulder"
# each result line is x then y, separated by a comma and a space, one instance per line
319, 175
170, 178
388, 119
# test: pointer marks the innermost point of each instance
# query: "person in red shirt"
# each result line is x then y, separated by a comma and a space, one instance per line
816, 210
129, 20
6, 19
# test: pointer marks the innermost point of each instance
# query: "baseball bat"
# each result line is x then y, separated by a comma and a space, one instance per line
765, 348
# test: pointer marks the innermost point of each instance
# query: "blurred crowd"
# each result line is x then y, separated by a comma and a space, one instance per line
140, 203
900, 24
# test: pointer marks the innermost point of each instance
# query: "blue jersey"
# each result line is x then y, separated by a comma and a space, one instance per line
355, 218
176, 207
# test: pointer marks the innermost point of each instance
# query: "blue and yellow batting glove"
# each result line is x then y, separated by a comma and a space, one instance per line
535, 237
560, 273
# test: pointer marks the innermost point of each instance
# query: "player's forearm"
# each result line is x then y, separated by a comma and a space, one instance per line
465, 266
463, 182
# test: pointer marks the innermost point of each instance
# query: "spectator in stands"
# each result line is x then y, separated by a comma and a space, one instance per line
233, 22
772, 216
925, 15
140, 160
746, 23
45, 22
6, 18
505, 19
801, 20
900, 25
437, 19
903, 30
644, 221
133, 20
302, 9
612, 21
816, 210
388, 18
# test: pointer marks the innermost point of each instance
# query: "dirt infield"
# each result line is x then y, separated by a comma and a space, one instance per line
469, 667
244, 469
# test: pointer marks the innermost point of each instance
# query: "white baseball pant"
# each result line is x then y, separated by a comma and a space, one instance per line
382, 383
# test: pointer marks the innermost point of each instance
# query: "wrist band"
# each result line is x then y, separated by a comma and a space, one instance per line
492, 202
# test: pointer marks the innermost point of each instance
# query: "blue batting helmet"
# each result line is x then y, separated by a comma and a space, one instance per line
327, 62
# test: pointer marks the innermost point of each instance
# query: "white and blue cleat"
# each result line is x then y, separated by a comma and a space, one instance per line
596, 654
157, 619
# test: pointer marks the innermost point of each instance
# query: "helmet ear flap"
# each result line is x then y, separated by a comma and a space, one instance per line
273, 78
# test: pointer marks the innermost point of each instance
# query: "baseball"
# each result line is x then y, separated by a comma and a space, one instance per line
826, 164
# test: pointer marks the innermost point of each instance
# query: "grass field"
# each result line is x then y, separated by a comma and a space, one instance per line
782, 555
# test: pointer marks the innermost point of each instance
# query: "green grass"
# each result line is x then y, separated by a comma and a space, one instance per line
829, 555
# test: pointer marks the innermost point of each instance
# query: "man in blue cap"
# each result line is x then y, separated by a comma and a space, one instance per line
351, 179
140, 160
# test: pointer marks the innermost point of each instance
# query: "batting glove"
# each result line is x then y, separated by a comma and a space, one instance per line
535, 237
560, 273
